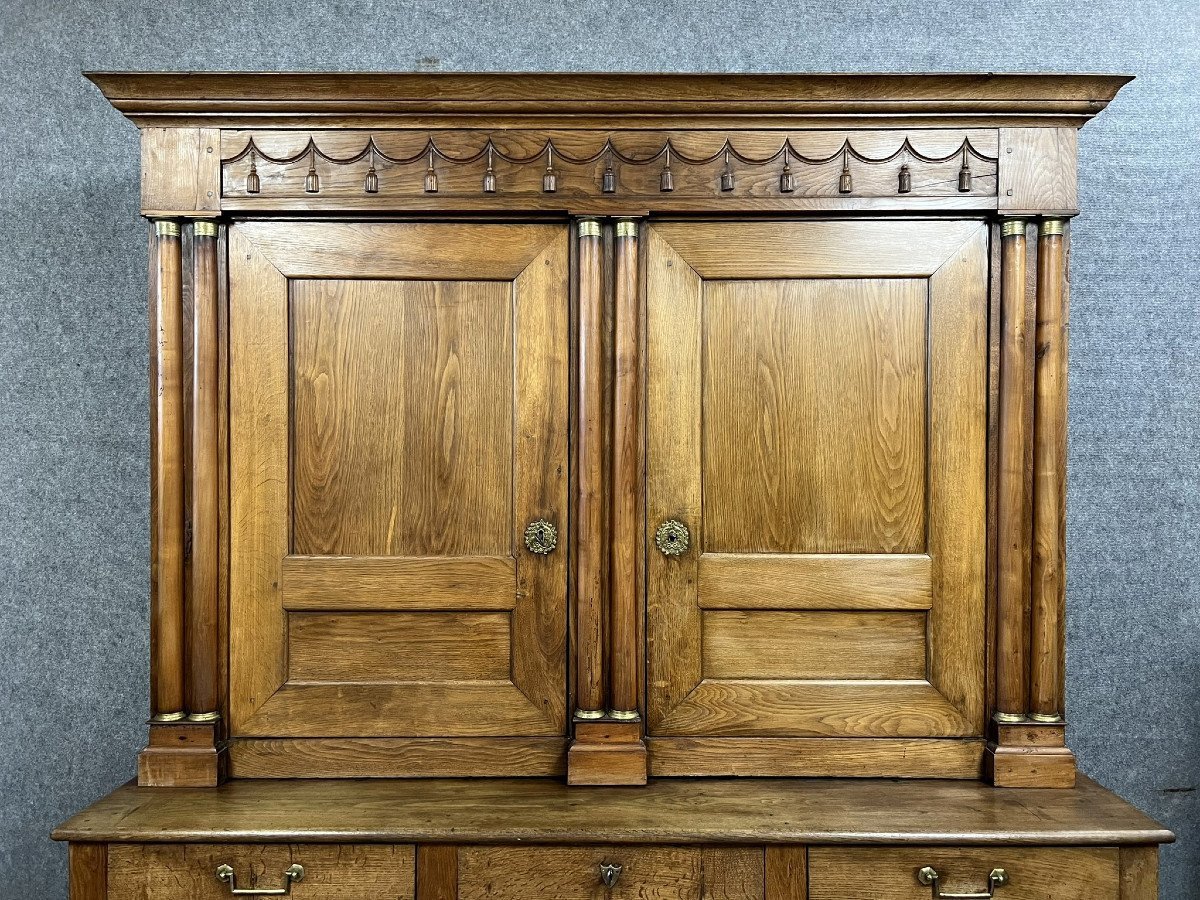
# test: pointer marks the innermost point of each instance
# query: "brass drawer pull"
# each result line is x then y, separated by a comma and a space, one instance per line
609, 873
540, 537
928, 875
293, 873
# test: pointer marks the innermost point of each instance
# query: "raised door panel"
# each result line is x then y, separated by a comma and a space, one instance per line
816, 418
398, 399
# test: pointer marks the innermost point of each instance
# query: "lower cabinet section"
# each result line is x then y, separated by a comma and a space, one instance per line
1006, 873
305, 871
610, 873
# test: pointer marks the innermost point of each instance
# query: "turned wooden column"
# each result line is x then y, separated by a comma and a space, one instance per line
166, 474
1012, 544
201, 619
589, 466
1048, 584
626, 478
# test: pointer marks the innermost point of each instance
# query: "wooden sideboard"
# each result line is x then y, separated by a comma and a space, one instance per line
629, 431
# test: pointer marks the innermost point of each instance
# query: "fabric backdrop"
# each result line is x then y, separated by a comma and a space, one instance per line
73, 344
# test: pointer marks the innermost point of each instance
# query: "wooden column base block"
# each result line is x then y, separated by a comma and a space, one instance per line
607, 752
1029, 754
189, 754
1029, 767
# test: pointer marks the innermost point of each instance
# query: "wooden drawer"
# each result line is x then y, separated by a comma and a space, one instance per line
868, 873
331, 871
574, 873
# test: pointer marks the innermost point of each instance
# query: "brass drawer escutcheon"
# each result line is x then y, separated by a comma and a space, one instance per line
928, 875
540, 537
293, 873
610, 873
672, 538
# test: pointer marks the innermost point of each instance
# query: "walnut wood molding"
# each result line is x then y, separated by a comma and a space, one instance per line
379, 100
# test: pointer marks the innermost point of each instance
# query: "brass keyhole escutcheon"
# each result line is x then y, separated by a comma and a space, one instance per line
672, 538
540, 537
609, 873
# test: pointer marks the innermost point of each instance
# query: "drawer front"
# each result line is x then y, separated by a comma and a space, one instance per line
869, 873
577, 873
331, 871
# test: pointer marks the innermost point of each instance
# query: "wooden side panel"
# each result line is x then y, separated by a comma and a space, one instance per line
1139, 873
402, 417
787, 873
87, 866
331, 871
844, 873
814, 416
813, 645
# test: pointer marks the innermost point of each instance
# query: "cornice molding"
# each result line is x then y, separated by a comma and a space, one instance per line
623, 100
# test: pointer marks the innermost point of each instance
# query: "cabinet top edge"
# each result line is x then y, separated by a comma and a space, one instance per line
218, 98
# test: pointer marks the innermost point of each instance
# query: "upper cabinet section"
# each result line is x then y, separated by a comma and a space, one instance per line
607, 144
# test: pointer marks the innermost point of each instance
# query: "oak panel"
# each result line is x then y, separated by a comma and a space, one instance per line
786, 873
814, 416
394, 582
733, 873
816, 708
859, 248
433, 251
402, 412
840, 873
331, 872
392, 646
87, 865
815, 581
818, 757
479, 757
1037, 170
813, 645
573, 873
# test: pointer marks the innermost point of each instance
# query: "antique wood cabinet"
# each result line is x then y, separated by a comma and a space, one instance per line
614, 430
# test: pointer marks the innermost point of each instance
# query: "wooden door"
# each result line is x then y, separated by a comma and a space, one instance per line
398, 403
816, 419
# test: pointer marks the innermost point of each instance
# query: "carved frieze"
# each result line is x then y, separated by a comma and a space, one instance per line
954, 168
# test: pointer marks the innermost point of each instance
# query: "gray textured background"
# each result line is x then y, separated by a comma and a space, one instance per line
73, 420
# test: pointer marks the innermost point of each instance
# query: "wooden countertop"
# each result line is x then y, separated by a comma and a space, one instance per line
746, 810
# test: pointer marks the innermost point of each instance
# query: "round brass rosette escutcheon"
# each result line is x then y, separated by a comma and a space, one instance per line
541, 537
672, 538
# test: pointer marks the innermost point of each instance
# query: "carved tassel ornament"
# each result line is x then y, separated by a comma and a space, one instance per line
253, 183
431, 179
489, 177
727, 175
964, 175
312, 181
905, 186
845, 183
371, 182
550, 179
666, 181
787, 184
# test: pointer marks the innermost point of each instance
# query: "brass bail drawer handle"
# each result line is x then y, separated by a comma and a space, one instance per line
293, 873
928, 875
609, 873
540, 537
